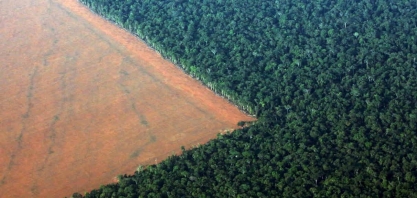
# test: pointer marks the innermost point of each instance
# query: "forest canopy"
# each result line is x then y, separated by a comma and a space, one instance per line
333, 84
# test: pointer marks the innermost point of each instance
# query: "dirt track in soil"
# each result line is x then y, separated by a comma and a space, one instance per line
82, 101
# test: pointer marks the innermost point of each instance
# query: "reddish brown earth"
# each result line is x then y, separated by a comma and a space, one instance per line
82, 101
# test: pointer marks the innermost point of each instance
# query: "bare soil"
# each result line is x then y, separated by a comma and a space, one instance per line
82, 101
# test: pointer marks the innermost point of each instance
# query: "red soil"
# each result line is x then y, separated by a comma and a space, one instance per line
83, 101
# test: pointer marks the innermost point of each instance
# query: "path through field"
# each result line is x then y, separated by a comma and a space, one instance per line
82, 101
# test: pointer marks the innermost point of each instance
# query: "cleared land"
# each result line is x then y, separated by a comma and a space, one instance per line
82, 101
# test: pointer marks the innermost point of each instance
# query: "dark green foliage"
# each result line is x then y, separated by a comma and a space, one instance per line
333, 83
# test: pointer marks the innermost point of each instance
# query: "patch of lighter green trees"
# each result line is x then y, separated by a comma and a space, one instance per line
333, 84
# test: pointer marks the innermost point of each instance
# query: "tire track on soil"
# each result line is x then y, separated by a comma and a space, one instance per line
25, 118
124, 75
126, 91
51, 134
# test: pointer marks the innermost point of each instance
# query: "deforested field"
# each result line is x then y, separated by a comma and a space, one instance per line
82, 101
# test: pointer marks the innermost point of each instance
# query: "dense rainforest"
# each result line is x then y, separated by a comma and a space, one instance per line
333, 84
